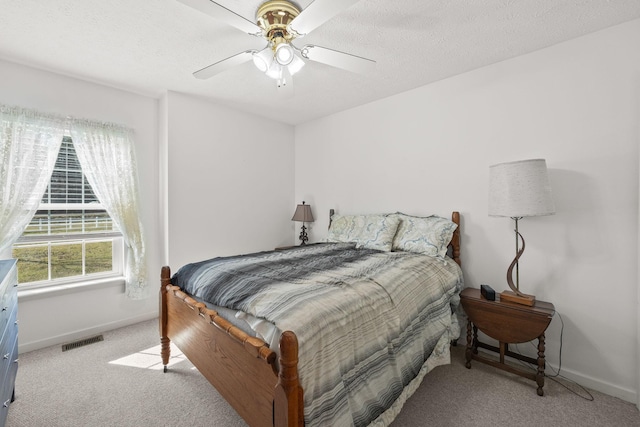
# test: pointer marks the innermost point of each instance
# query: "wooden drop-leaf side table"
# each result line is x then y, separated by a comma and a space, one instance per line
508, 323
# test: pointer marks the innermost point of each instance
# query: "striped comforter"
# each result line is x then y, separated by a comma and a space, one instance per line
370, 324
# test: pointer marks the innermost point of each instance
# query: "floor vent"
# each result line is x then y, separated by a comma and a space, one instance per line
83, 342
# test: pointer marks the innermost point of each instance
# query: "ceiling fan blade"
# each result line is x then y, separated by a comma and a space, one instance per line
225, 64
317, 13
346, 61
223, 14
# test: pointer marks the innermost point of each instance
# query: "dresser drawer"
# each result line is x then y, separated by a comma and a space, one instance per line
8, 275
9, 370
8, 334
9, 338
8, 301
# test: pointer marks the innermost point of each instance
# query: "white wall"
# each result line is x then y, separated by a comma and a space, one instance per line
69, 315
230, 181
231, 191
429, 150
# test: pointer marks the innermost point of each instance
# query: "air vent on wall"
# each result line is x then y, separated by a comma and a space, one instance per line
83, 342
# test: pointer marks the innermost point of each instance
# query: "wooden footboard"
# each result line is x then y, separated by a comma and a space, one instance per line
242, 368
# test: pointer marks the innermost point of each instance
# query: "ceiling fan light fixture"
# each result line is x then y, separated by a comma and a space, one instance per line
296, 65
263, 59
274, 71
284, 54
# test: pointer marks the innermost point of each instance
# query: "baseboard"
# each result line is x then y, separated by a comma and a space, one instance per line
587, 381
598, 385
24, 347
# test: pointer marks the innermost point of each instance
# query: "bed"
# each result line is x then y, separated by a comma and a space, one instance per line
347, 340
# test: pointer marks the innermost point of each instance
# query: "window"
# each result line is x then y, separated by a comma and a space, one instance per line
71, 236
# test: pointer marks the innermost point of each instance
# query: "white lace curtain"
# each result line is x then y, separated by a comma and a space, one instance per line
30, 142
29, 145
108, 160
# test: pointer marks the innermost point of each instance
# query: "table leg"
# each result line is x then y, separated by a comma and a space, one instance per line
541, 365
468, 352
475, 339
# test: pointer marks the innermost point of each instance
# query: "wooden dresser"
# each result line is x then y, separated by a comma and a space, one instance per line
9, 333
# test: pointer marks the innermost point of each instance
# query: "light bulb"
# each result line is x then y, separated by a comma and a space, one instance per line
284, 54
263, 59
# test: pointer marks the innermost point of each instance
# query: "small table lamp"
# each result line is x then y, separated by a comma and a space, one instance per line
303, 214
517, 190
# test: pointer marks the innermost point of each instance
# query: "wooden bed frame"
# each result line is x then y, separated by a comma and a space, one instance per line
242, 368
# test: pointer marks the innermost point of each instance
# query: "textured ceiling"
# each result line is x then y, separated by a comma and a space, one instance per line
150, 46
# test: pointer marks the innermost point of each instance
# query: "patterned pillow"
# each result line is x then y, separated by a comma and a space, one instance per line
367, 231
426, 235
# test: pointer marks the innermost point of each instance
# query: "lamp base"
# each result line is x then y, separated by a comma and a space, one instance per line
509, 296
303, 235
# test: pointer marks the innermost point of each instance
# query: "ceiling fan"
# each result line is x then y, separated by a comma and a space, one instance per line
279, 23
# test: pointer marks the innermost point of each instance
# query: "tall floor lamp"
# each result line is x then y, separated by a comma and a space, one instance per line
519, 189
303, 214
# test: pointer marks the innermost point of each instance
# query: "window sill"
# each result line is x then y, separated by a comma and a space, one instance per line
69, 288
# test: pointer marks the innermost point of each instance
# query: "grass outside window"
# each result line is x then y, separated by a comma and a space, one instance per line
66, 259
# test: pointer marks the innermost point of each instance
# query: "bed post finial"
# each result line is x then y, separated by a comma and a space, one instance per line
455, 239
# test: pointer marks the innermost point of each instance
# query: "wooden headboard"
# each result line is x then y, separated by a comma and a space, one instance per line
454, 244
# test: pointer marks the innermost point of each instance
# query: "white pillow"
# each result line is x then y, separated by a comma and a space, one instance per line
367, 231
426, 235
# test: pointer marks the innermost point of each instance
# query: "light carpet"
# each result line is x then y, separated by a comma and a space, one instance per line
119, 382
